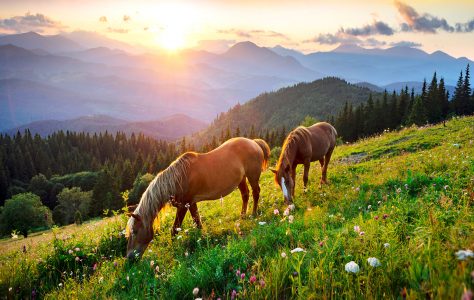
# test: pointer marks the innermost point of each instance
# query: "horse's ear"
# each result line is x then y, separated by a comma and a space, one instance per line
131, 208
136, 217
273, 170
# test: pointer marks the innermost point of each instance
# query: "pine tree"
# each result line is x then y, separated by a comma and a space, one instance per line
237, 131
457, 102
467, 93
393, 116
369, 113
433, 110
402, 106
443, 100
418, 113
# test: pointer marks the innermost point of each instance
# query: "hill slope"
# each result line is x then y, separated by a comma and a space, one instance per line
404, 198
288, 106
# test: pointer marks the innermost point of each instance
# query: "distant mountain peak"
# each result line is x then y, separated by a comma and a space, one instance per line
348, 48
244, 48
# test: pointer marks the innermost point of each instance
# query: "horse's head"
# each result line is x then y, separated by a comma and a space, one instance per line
139, 236
285, 181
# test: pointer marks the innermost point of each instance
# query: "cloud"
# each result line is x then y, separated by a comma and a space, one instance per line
254, 33
405, 44
103, 19
117, 30
377, 27
30, 22
465, 27
421, 23
331, 39
126, 18
371, 42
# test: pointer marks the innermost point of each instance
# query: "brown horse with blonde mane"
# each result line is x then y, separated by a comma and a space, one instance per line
195, 177
302, 146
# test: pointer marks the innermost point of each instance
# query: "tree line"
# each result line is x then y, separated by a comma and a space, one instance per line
405, 108
77, 173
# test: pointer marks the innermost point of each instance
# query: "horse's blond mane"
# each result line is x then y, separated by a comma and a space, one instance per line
168, 182
289, 145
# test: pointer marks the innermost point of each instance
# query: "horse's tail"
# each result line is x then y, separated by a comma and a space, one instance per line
266, 152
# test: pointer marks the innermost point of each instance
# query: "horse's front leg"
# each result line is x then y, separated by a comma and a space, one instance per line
306, 174
293, 176
195, 214
180, 213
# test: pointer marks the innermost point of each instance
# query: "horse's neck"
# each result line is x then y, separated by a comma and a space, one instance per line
291, 153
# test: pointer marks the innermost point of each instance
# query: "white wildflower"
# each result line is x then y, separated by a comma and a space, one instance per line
464, 254
291, 218
101, 279
178, 229
14, 236
283, 254
60, 284
386, 245
70, 251
357, 228
352, 267
77, 249
374, 262
369, 207
286, 212
262, 223
196, 291
297, 249
291, 207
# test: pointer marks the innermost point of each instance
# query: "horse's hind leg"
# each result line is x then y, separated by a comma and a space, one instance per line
195, 214
327, 158
255, 193
244, 190
180, 213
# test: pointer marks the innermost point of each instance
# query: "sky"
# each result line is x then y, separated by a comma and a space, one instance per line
214, 25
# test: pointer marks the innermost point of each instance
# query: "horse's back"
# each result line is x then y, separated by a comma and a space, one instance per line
323, 139
218, 172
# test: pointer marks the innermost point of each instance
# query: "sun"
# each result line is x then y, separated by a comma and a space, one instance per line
175, 26
172, 38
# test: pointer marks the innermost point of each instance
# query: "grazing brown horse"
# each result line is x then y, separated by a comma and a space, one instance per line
195, 177
302, 146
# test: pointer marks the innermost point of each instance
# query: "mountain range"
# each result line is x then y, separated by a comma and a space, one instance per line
76, 74
170, 128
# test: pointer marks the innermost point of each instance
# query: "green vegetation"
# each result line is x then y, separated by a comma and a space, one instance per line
275, 113
24, 212
431, 106
405, 198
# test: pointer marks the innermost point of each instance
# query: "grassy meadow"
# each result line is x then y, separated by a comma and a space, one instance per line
405, 198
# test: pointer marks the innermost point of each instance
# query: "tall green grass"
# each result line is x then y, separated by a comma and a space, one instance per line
407, 200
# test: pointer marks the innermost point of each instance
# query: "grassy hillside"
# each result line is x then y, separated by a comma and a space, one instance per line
405, 198
288, 106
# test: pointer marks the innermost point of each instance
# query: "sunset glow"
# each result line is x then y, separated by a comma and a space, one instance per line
307, 26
